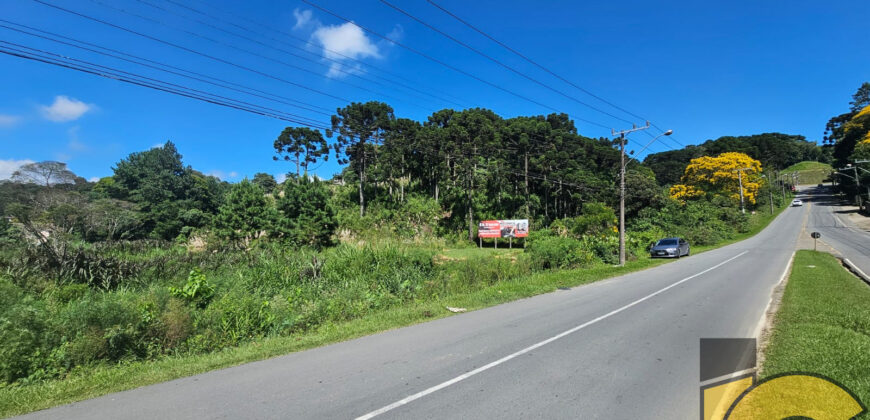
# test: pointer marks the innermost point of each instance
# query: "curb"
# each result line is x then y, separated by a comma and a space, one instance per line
857, 271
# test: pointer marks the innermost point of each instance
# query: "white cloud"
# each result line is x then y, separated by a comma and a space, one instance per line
234, 174
280, 178
346, 39
65, 109
7, 167
8, 120
93, 179
341, 43
303, 19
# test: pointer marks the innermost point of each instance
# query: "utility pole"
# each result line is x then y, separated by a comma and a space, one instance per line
857, 179
740, 180
622, 134
856, 165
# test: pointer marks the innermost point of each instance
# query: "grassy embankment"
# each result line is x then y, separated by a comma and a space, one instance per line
810, 172
823, 325
92, 381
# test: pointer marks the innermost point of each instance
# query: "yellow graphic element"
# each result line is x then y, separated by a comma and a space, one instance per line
780, 397
796, 396
719, 398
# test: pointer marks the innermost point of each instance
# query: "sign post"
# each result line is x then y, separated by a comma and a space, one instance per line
816, 236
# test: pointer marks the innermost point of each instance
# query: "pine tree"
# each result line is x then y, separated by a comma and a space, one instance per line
307, 217
245, 215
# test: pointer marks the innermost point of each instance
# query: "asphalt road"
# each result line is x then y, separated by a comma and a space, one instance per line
828, 217
622, 348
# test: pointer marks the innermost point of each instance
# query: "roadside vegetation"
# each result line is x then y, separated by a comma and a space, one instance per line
160, 271
822, 325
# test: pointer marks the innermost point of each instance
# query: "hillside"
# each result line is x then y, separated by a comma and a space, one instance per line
810, 172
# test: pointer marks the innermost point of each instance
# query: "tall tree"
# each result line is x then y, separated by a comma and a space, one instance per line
245, 214
265, 181
720, 176
360, 127
47, 173
301, 145
835, 129
165, 190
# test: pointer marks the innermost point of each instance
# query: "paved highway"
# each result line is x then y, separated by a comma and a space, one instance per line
622, 348
828, 217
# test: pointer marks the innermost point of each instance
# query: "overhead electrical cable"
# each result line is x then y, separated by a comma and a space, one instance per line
447, 65
183, 48
503, 65
536, 64
246, 51
143, 83
145, 79
163, 67
360, 68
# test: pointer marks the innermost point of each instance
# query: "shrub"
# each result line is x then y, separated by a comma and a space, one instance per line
197, 290
177, 324
23, 343
550, 252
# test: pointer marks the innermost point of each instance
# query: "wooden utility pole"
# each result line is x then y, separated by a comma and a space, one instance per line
622, 185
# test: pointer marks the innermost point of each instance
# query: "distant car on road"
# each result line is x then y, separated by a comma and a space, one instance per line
670, 248
796, 202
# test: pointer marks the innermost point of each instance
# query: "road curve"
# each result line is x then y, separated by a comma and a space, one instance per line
625, 347
828, 217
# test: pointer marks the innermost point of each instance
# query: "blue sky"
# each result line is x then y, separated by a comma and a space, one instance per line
704, 69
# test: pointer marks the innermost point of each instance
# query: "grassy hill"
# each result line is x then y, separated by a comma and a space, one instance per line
810, 172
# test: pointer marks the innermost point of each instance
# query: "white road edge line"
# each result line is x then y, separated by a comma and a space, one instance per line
763, 319
491, 365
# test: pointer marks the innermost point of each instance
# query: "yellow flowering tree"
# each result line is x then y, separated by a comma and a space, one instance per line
718, 176
858, 131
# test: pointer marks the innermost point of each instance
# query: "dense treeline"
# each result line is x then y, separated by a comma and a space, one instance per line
159, 259
775, 151
848, 135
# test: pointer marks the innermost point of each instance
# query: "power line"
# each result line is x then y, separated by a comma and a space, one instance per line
282, 50
529, 60
163, 67
496, 61
444, 64
144, 79
536, 64
16, 52
183, 48
246, 51
311, 44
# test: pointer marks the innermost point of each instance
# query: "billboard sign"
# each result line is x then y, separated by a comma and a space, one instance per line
518, 228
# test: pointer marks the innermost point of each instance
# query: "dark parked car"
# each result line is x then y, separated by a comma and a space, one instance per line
670, 247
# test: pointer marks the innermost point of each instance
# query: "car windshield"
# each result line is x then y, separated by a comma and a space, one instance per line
666, 242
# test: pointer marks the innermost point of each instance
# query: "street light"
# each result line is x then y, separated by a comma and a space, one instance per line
622, 164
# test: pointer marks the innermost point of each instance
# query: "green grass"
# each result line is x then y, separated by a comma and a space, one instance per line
465, 253
810, 172
823, 325
89, 382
